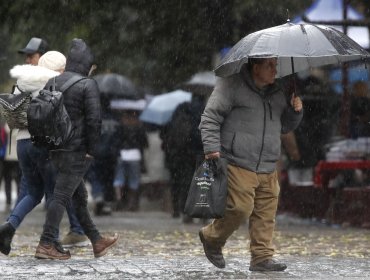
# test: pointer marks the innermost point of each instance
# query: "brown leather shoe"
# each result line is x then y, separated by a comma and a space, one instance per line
52, 251
101, 246
213, 254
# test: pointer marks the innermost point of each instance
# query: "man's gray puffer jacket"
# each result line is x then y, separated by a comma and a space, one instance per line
245, 123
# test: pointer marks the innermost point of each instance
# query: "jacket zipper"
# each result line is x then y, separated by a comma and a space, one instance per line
263, 134
270, 109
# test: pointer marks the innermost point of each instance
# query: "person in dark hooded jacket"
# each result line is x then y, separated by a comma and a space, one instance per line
72, 161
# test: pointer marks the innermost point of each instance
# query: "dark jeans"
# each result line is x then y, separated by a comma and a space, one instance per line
71, 169
38, 178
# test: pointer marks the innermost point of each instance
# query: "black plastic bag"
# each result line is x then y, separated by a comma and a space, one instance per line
208, 190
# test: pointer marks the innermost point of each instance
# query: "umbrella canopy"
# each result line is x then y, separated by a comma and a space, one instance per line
298, 47
116, 86
160, 109
201, 83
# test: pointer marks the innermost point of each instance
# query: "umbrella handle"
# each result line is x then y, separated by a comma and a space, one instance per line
294, 81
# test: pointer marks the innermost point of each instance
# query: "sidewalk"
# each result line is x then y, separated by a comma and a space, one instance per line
153, 245
174, 268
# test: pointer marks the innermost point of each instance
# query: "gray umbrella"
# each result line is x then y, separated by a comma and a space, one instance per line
298, 47
116, 86
201, 83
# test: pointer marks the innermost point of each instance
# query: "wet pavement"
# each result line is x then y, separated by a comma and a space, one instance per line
153, 245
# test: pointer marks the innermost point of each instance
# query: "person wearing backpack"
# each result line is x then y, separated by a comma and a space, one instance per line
72, 160
36, 54
38, 174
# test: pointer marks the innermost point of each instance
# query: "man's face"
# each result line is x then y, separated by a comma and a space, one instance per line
264, 73
33, 58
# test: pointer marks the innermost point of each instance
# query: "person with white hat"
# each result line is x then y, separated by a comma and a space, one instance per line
38, 174
35, 48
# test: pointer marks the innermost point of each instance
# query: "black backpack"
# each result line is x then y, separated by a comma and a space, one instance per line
48, 120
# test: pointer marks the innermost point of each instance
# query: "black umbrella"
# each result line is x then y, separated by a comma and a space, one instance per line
115, 86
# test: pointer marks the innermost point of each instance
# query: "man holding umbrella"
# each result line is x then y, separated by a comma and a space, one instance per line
243, 121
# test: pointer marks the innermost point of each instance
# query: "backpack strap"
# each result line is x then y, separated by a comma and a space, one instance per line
73, 80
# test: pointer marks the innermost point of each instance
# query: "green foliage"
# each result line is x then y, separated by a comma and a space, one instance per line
156, 43
252, 16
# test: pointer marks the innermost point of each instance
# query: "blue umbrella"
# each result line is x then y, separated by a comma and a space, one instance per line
161, 107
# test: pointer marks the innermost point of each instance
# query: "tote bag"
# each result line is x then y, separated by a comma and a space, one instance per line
208, 190
14, 108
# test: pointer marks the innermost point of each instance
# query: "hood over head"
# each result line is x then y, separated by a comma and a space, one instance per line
248, 79
80, 57
31, 77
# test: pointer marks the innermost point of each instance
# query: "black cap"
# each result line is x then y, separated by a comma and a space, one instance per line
35, 45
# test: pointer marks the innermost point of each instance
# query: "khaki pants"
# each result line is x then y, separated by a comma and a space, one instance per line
249, 195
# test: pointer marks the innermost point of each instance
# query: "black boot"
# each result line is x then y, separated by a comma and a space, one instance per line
6, 235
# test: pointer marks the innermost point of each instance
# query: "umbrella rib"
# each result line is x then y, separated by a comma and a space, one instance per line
308, 44
344, 49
